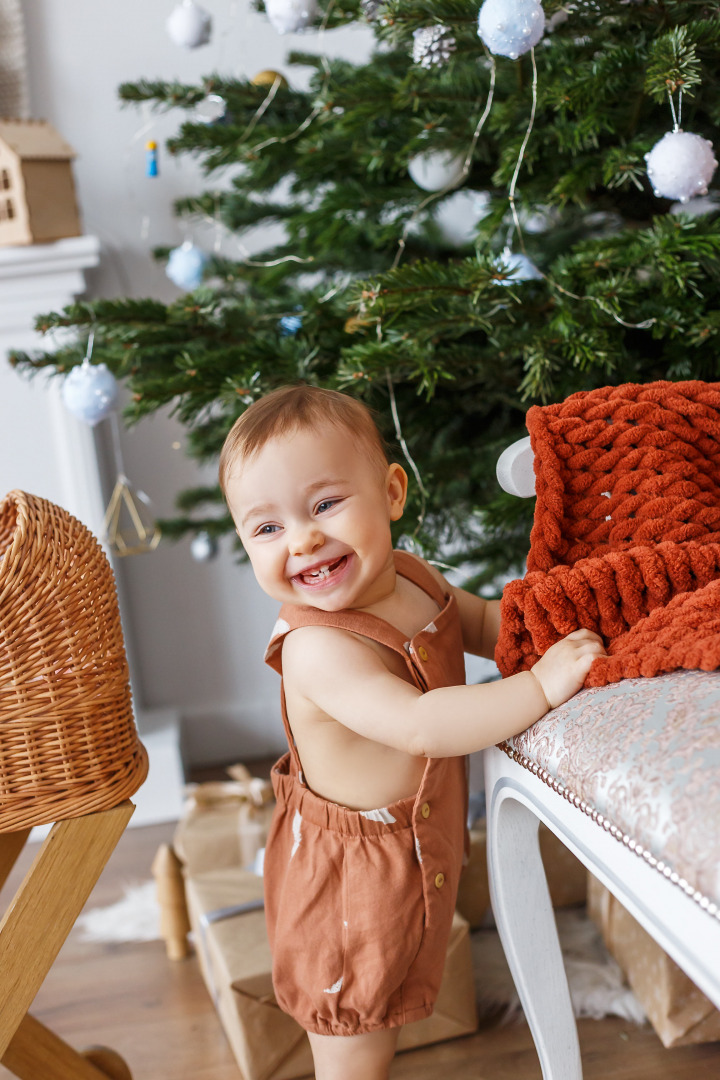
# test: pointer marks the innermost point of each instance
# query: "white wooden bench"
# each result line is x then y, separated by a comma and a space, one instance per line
628, 777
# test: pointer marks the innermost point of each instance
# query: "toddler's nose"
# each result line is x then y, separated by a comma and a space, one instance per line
305, 538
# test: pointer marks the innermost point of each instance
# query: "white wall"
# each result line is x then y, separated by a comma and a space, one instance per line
196, 631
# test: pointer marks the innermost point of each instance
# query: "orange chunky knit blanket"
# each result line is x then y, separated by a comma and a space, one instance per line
626, 535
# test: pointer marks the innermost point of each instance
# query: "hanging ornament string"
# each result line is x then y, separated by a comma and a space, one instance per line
398, 256
145, 532
408, 456
317, 109
523, 148
463, 173
278, 81
677, 119
602, 304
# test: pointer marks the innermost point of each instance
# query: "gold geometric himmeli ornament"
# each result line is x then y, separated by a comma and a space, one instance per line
128, 526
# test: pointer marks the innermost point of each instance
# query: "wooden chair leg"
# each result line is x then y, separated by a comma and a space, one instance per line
526, 924
36, 1052
11, 844
47, 904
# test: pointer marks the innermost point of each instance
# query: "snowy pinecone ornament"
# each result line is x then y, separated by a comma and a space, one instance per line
433, 46
511, 27
681, 165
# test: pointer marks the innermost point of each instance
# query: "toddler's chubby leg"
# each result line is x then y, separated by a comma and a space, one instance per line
354, 1057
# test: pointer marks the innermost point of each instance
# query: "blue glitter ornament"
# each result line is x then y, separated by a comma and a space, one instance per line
186, 265
511, 27
289, 325
90, 392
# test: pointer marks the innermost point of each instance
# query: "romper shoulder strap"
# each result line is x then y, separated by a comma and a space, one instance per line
357, 622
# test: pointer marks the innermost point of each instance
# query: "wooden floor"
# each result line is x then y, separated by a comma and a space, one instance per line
159, 1016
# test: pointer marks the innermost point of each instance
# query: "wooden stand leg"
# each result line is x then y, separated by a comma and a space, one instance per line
36, 1052
174, 920
526, 924
11, 844
47, 904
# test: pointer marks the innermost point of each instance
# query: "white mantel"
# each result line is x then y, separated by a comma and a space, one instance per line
43, 449
48, 452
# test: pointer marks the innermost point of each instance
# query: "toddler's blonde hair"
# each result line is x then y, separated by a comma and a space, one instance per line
294, 408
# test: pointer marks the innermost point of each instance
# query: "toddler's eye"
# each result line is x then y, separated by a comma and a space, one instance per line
267, 530
326, 504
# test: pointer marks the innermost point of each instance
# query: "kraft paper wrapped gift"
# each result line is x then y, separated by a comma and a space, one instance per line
679, 1012
225, 822
235, 960
566, 876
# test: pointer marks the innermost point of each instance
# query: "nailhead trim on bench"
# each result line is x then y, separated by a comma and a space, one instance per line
542, 774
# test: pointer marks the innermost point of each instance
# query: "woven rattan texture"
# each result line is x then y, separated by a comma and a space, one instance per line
68, 742
626, 536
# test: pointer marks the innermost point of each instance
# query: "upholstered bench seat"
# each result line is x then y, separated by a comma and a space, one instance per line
642, 758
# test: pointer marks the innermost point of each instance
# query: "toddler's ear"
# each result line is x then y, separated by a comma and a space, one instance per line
396, 486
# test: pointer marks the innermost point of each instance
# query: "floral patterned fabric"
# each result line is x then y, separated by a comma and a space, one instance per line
643, 755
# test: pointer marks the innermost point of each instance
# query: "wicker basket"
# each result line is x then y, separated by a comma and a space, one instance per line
68, 742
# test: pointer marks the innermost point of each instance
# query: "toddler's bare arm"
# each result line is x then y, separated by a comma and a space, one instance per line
347, 681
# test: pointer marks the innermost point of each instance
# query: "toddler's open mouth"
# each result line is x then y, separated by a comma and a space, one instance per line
321, 574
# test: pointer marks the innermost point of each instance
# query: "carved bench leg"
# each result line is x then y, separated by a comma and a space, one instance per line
524, 916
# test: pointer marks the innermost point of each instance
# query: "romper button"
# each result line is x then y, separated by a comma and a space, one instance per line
422, 653
439, 881
425, 810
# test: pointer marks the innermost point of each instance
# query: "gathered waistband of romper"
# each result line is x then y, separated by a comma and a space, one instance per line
289, 789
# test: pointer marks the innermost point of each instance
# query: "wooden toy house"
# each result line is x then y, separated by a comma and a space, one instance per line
37, 191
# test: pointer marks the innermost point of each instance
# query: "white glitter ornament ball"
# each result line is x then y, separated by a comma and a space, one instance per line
185, 266
90, 392
511, 27
203, 547
681, 165
189, 25
290, 16
434, 170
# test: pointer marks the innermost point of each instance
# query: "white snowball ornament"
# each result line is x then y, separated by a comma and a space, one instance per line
186, 265
90, 392
290, 16
189, 25
434, 170
681, 165
511, 27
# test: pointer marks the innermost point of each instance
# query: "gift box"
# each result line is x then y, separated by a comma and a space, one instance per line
228, 921
225, 822
679, 1012
566, 876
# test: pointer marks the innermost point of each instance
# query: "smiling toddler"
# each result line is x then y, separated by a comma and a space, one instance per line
368, 838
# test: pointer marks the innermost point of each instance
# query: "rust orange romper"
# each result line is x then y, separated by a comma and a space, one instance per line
359, 903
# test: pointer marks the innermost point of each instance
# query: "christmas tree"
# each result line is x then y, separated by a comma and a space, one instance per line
571, 268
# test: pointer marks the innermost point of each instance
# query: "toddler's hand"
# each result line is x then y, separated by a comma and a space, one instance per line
562, 670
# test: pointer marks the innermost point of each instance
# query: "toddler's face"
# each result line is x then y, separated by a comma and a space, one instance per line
313, 512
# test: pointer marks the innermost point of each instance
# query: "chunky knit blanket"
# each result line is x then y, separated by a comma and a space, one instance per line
626, 535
